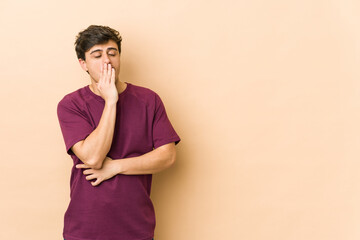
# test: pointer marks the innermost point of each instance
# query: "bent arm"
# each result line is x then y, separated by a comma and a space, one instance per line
155, 161
94, 148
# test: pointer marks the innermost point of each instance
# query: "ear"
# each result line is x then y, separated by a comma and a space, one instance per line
83, 65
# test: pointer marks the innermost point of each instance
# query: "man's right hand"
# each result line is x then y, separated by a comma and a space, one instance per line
106, 84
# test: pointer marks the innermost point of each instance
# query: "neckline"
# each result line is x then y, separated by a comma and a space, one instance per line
99, 98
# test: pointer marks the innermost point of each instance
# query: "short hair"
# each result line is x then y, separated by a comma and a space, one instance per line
93, 35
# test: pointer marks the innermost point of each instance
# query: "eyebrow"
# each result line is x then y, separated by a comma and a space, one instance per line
99, 50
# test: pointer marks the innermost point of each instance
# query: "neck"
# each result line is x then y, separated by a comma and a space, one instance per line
121, 86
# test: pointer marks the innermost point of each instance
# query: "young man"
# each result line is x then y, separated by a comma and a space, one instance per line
118, 135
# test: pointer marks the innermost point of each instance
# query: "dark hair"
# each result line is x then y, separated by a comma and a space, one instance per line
93, 35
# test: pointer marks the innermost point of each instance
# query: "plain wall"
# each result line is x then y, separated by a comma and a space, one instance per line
264, 94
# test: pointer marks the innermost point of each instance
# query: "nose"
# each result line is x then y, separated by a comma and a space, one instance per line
106, 59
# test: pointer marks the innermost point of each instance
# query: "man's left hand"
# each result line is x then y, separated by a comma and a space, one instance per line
107, 171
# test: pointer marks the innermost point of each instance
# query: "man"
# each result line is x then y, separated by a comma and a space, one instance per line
118, 135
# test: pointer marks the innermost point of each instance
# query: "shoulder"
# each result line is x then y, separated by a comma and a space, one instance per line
142, 93
75, 99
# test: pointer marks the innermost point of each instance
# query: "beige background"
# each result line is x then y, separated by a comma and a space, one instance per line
265, 95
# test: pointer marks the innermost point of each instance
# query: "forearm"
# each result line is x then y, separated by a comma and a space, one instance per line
152, 162
149, 163
95, 147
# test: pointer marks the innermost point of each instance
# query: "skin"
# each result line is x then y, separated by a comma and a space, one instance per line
102, 62
96, 63
152, 162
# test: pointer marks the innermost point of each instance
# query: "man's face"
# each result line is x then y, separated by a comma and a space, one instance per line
97, 56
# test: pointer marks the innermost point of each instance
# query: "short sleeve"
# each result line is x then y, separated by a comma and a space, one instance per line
163, 131
74, 123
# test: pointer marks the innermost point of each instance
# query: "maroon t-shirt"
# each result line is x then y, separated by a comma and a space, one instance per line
119, 208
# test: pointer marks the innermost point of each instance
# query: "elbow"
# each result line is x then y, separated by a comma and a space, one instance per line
169, 155
96, 166
171, 158
91, 159
94, 163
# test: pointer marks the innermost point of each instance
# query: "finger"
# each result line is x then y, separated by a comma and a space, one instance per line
90, 177
87, 172
82, 166
112, 80
102, 69
95, 183
109, 70
103, 73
